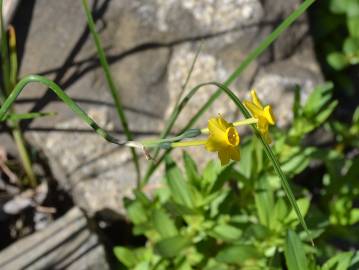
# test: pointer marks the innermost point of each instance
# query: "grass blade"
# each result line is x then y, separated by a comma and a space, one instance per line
63, 96
115, 96
4, 54
24, 116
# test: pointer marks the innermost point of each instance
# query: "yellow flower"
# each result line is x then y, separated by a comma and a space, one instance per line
263, 114
224, 139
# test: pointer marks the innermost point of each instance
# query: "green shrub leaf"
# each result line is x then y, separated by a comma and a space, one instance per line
294, 252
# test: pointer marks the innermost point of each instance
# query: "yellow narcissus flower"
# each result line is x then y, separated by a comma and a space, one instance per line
263, 114
224, 139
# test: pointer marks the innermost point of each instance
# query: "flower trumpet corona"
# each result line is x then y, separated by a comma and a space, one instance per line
224, 139
264, 115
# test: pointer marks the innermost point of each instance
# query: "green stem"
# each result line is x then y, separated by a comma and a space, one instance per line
111, 85
24, 155
248, 60
4, 53
9, 72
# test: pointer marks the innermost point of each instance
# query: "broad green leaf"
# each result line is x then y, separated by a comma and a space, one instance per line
320, 96
180, 189
303, 205
126, 256
163, 224
210, 173
294, 252
223, 176
341, 261
324, 114
353, 8
237, 254
246, 163
298, 162
339, 6
136, 213
280, 211
337, 60
180, 209
351, 45
171, 247
191, 169
258, 232
353, 26
264, 200
226, 232
132, 257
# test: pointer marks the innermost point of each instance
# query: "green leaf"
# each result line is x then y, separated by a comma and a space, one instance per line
125, 256
341, 261
280, 211
294, 252
24, 116
210, 173
226, 232
353, 26
163, 224
303, 205
264, 200
353, 8
298, 162
180, 209
246, 163
180, 189
323, 115
318, 99
339, 6
237, 254
132, 257
171, 247
337, 60
191, 169
136, 212
351, 45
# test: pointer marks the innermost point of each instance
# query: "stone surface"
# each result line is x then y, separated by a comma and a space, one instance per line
68, 243
150, 46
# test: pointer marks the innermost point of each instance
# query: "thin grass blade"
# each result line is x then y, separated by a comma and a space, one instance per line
111, 84
63, 96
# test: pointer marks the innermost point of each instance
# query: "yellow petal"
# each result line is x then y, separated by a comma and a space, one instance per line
262, 124
256, 111
214, 126
213, 145
256, 100
223, 123
268, 114
235, 154
224, 156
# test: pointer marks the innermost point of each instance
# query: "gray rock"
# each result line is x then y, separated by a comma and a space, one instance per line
68, 243
151, 45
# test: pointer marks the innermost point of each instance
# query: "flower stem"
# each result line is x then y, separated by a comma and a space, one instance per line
188, 143
244, 122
